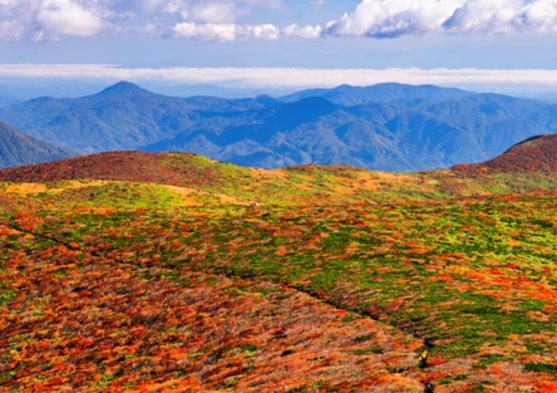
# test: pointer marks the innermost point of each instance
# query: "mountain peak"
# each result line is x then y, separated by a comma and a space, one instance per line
344, 87
125, 89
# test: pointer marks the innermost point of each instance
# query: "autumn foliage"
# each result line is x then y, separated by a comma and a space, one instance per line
536, 154
356, 292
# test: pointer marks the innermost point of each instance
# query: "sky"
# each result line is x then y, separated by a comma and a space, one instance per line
248, 47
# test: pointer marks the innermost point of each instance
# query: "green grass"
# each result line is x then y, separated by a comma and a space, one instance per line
6, 296
542, 368
120, 195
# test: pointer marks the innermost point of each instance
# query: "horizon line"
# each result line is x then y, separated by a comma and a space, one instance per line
280, 77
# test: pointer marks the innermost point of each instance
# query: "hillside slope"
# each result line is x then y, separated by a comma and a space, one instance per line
204, 181
17, 148
535, 154
196, 180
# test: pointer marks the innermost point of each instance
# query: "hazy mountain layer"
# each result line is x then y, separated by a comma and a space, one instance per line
383, 92
380, 136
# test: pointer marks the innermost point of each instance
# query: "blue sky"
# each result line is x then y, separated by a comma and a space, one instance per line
240, 47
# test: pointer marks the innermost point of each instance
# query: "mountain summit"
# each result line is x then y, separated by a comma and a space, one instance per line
125, 89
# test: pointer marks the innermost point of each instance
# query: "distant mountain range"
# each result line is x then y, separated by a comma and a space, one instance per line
385, 92
389, 127
17, 148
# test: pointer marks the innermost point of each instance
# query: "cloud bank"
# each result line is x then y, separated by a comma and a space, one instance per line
282, 78
220, 20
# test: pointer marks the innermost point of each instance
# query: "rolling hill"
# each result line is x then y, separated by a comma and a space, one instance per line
529, 166
17, 148
202, 181
535, 154
132, 272
388, 127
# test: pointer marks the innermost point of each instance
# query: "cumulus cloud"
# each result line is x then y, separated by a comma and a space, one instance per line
56, 19
281, 78
393, 18
225, 31
40, 19
266, 31
52, 19
207, 32
221, 19
303, 31
62, 17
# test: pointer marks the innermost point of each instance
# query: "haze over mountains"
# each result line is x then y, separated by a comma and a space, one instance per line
7, 101
389, 127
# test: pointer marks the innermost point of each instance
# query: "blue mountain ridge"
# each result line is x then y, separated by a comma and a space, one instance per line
388, 127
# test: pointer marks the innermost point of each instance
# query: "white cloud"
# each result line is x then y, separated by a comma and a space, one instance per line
221, 19
207, 32
9, 30
266, 31
393, 18
63, 17
229, 31
225, 31
49, 19
285, 78
303, 32
217, 12
202, 19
